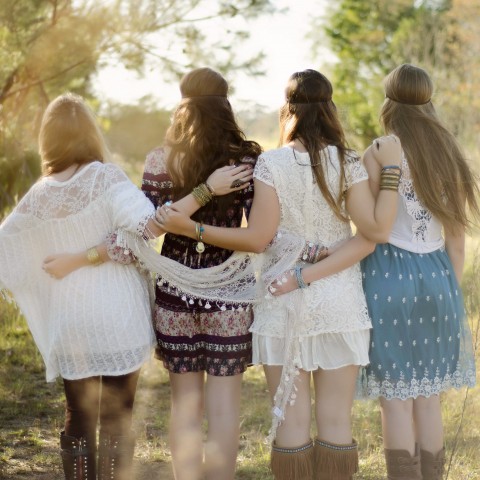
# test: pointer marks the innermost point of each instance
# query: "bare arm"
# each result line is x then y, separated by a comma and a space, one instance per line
455, 246
262, 224
60, 265
372, 214
349, 253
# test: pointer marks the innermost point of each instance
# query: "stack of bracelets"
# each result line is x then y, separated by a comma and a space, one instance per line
313, 252
203, 193
390, 178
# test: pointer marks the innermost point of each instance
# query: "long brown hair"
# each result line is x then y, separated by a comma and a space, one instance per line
204, 134
69, 134
440, 173
310, 116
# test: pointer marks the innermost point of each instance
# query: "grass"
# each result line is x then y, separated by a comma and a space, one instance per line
31, 414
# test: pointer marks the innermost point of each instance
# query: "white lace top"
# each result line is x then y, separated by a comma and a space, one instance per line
415, 228
96, 321
332, 304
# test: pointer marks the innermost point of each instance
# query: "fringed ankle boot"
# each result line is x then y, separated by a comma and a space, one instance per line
115, 457
432, 465
335, 462
403, 466
292, 463
78, 458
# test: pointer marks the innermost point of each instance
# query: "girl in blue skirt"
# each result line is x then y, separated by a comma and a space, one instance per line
420, 343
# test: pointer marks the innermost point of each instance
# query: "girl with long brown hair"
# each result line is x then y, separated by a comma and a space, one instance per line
421, 343
314, 323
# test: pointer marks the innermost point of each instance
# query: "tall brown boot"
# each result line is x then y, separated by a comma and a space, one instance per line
78, 458
335, 462
432, 465
403, 466
115, 457
292, 463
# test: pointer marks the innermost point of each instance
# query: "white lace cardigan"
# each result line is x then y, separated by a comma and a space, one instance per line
97, 320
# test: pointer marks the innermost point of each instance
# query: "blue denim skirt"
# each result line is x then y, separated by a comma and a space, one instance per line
421, 342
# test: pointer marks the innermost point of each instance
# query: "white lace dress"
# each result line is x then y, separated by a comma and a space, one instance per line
327, 322
97, 320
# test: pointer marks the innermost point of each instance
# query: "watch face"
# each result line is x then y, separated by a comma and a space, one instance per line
200, 248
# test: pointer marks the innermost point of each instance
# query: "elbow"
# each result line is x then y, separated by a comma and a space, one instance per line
370, 247
258, 247
378, 236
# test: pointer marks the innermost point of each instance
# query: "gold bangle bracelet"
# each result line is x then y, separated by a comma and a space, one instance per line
93, 256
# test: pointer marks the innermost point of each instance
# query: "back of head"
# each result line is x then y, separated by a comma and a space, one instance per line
69, 135
310, 116
431, 150
203, 82
409, 85
204, 134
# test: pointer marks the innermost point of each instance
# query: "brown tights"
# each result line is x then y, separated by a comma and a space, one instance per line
107, 398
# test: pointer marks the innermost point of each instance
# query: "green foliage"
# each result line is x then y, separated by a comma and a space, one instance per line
48, 47
371, 37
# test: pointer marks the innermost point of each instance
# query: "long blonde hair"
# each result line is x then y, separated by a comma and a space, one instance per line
441, 176
69, 135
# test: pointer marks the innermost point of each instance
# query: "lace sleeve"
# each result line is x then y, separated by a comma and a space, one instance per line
262, 172
355, 172
156, 183
130, 209
116, 252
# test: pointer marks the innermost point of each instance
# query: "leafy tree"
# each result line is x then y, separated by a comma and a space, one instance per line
50, 46
371, 37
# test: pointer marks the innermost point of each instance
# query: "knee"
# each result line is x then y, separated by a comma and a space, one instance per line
397, 408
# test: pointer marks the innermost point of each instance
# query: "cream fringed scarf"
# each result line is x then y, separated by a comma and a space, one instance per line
242, 280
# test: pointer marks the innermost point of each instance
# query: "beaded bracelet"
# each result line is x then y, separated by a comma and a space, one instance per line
298, 276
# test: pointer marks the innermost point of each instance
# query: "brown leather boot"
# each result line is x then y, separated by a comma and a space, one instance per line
115, 457
432, 465
292, 463
402, 466
78, 458
335, 462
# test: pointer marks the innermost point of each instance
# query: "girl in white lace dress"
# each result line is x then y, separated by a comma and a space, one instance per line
421, 343
93, 328
320, 326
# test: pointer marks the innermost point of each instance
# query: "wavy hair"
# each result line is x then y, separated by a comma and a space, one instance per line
204, 134
69, 134
310, 116
440, 173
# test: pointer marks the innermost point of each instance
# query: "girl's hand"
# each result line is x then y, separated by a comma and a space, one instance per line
173, 221
387, 150
230, 178
60, 265
284, 284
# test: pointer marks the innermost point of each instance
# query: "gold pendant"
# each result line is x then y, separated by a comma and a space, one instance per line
200, 248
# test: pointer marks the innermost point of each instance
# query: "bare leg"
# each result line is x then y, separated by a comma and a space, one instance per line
295, 429
334, 395
427, 415
186, 424
223, 415
397, 424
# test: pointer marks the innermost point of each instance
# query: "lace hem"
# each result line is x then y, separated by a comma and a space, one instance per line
327, 351
425, 387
